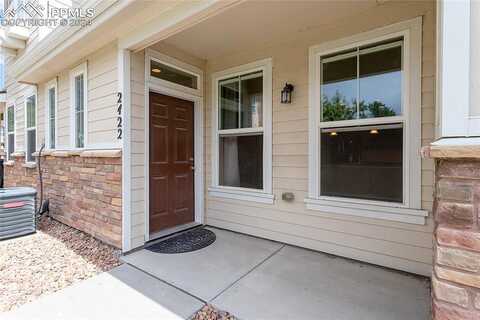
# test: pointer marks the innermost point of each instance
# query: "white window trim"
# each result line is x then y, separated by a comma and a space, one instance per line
80, 69
33, 93
410, 210
51, 84
10, 132
215, 190
175, 64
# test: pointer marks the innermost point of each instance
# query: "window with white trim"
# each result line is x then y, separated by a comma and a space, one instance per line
242, 133
365, 132
358, 159
78, 89
51, 115
10, 131
30, 127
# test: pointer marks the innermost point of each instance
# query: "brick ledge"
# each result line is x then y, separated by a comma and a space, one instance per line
450, 152
9, 163
18, 154
108, 153
29, 165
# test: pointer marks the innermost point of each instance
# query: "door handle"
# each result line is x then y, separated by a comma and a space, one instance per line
192, 168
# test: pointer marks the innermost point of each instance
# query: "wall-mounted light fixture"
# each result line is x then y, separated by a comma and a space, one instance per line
287, 93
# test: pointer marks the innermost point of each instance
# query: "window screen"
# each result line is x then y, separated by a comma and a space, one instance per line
363, 163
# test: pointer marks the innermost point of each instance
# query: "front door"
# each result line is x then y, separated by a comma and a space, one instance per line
171, 162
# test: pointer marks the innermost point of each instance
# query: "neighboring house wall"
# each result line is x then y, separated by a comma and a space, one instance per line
392, 244
84, 186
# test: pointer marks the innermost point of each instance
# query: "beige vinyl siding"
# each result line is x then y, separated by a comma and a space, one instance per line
393, 244
102, 103
40, 116
137, 81
101, 107
63, 110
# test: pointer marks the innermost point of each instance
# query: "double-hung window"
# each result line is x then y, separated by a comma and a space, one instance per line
242, 133
362, 159
30, 127
78, 90
10, 131
51, 115
365, 135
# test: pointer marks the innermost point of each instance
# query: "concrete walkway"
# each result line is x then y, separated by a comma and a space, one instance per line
249, 277
122, 293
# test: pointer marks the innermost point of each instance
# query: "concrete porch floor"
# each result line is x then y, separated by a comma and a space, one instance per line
254, 278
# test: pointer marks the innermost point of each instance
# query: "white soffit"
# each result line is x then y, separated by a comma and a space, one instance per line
252, 24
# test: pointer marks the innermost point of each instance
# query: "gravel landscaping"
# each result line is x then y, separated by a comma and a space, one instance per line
209, 312
52, 259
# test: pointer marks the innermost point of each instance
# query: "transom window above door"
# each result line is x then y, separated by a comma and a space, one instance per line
174, 75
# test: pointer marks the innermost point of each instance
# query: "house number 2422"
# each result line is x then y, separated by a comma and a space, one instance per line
119, 116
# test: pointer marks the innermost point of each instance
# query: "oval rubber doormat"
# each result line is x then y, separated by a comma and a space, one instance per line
192, 240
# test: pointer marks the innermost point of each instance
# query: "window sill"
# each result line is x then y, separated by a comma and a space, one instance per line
30, 165
399, 214
241, 195
9, 163
84, 153
18, 154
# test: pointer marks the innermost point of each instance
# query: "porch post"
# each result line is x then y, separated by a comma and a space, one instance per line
123, 133
456, 262
458, 78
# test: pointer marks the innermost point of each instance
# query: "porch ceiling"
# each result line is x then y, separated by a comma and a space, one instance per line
261, 23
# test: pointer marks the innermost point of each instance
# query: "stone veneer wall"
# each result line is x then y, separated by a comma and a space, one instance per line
456, 276
85, 191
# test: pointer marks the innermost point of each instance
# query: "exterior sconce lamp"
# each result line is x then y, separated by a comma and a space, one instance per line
287, 93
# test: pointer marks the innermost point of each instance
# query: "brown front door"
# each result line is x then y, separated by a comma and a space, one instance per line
171, 162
